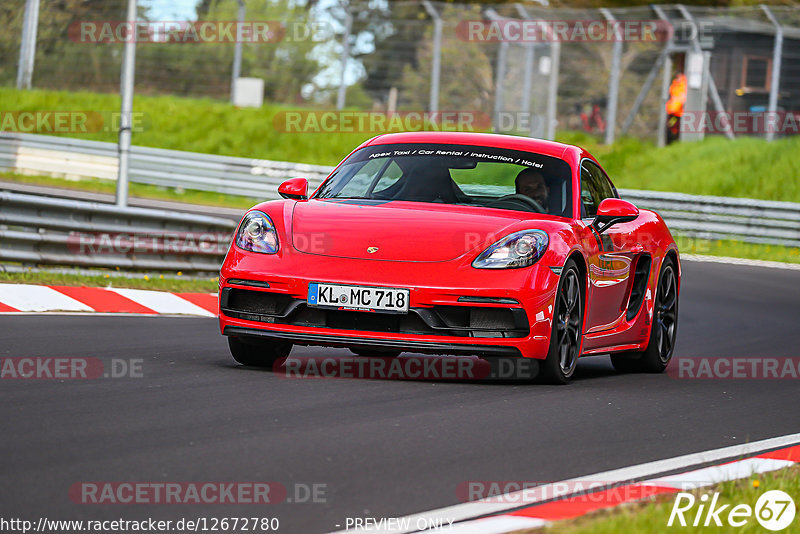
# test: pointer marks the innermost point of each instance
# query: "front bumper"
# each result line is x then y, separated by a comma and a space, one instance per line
454, 309
407, 345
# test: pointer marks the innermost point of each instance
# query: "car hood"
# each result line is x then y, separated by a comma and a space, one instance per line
396, 230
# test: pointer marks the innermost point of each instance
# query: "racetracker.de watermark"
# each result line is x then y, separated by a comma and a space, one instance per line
408, 368
69, 368
156, 242
378, 122
528, 492
204, 492
583, 31
734, 368
198, 32
741, 122
67, 121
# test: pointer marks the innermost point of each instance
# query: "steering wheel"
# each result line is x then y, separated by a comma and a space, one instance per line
519, 199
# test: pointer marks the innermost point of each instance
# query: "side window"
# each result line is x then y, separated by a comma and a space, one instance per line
589, 194
602, 181
595, 187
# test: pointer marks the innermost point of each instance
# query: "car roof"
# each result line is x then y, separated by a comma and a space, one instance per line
570, 153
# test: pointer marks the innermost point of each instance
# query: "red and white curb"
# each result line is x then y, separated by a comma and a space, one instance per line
540, 515
505, 513
28, 298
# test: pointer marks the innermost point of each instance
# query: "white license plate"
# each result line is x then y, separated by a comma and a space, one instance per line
363, 298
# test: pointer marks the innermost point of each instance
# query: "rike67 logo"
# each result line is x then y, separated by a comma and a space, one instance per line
774, 510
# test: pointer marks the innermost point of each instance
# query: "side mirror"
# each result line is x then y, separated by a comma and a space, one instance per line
613, 211
295, 188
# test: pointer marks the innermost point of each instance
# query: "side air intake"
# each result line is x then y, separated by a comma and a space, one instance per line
640, 276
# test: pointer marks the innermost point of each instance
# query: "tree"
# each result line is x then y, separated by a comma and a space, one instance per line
466, 81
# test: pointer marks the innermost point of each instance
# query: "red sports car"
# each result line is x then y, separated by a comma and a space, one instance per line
455, 243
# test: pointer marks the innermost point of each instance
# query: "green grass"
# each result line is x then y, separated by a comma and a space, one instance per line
195, 125
737, 249
652, 516
96, 185
746, 167
143, 281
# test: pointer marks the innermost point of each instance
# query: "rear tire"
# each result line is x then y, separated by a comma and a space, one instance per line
567, 333
258, 352
660, 346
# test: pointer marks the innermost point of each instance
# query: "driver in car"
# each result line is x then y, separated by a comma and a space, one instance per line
531, 183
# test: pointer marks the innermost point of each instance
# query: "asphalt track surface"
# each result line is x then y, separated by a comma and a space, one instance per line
381, 448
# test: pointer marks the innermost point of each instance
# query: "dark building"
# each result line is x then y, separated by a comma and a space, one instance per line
742, 64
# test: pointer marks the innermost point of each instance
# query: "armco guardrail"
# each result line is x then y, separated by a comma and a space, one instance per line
37, 230
78, 158
742, 219
706, 217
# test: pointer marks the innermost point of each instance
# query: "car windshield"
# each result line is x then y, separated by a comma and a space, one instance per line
455, 174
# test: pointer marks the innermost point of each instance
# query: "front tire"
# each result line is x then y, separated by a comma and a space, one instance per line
258, 352
657, 355
567, 333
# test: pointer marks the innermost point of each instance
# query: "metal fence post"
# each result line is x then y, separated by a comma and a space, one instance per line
126, 93
648, 83
651, 76
436, 64
499, 74
712, 86
237, 48
499, 83
552, 97
613, 79
552, 89
666, 80
775, 82
698, 76
27, 47
348, 28
527, 81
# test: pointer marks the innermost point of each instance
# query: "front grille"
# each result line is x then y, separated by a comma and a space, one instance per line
457, 321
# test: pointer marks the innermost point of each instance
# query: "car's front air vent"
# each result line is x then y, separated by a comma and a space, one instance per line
249, 283
255, 302
488, 300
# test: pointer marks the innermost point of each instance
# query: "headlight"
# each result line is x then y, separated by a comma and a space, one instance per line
519, 249
257, 234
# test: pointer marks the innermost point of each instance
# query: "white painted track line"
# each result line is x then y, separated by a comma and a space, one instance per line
719, 473
514, 500
741, 261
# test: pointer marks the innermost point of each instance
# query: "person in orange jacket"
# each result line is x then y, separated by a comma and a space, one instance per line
677, 99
